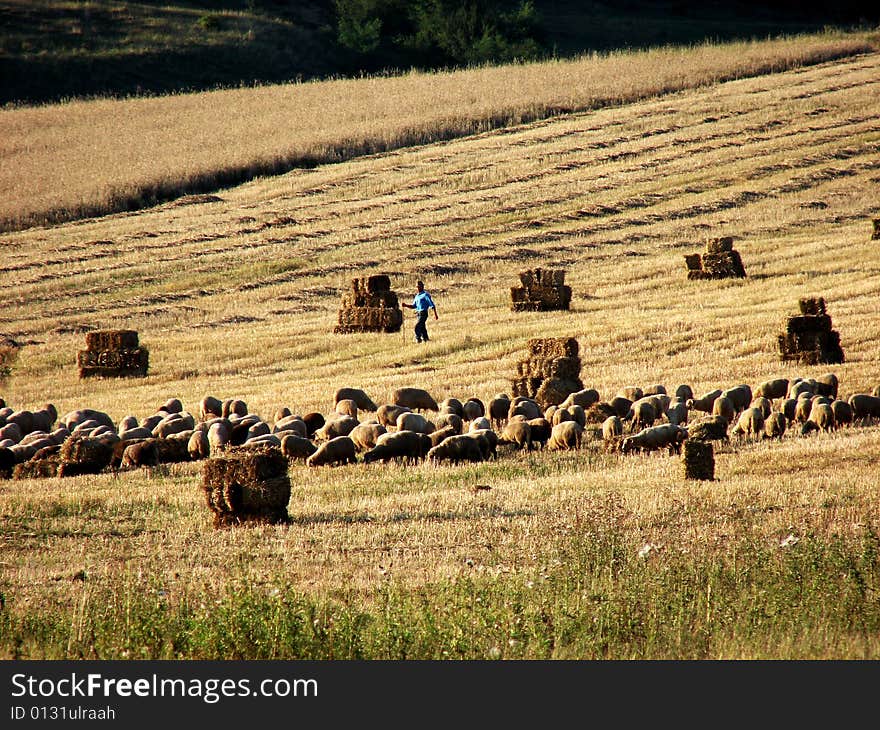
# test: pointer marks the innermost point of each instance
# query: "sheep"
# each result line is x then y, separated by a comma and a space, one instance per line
683, 392
346, 407
453, 420
488, 441
750, 423
414, 422
44, 419
763, 403
578, 415
7, 462
472, 409
341, 426
364, 435
704, 402
657, 389
480, 424
583, 398
74, 418
865, 406
642, 414
631, 392
173, 423
663, 436
12, 432
677, 413
772, 389
518, 433
775, 425
416, 399
338, 450
524, 407
565, 436
453, 405
135, 433
711, 428
558, 415
294, 446
150, 422
387, 414
443, 433
209, 407
799, 385
140, 453
802, 410
407, 445
233, 405
740, 396
198, 446
219, 435
821, 418
843, 412
313, 421
612, 428
455, 449
128, 423
550, 411
291, 424
261, 428
263, 440
827, 384
499, 407
541, 430
24, 419
360, 398
723, 406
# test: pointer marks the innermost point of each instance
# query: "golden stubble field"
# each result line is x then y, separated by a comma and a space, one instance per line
235, 295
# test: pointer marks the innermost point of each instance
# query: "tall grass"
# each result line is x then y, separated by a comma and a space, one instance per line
95, 157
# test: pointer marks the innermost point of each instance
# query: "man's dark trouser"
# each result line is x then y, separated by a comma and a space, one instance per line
421, 329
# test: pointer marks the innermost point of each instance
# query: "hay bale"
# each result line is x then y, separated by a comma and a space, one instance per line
100, 340
550, 347
84, 455
247, 485
812, 305
35, 468
693, 261
698, 458
727, 264
113, 363
713, 428
378, 283
598, 412
555, 390
875, 236
808, 324
723, 244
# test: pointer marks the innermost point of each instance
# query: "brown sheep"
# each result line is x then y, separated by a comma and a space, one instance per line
583, 398
416, 399
453, 405
787, 408
642, 414
128, 423
313, 421
336, 428
612, 428
136, 433
775, 425
541, 431
621, 405
488, 441
210, 407
763, 403
864, 406
219, 435
821, 419
750, 423
827, 385
772, 389
414, 422
441, 434
565, 436
140, 453
499, 407
455, 449
346, 407
524, 407
360, 398
631, 392
802, 409
452, 420
559, 415
472, 409
364, 435
711, 428
291, 424
704, 402
723, 406
664, 436
74, 418
683, 392
479, 424
518, 433
406, 445
198, 446
677, 413
657, 389
281, 414
799, 385
295, 447
388, 414
338, 450
233, 405
740, 396
843, 412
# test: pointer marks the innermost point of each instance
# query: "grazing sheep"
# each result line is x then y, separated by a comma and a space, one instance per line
775, 425
711, 428
258, 429
787, 407
338, 450
210, 407
7, 462
642, 414
799, 385
365, 435
772, 389
578, 415
219, 435
677, 413
455, 449
518, 433
843, 412
453, 405
480, 424
631, 393
281, 414
657, 389
135, 433
74, 418
565, 436
453, 420
654, 438
499, 407
292, 423
683, 392
416, 399
23, 419
865, 406
263, 440
360, 398
233, 406
541, 431
172, 405
558, 415
472, 409
583, 398
612, 428
173, 423
802, 409
621, 405
11, 432
827, 384
524, 407
763, 403
740, 396
128, 423
723, 406
550, 411
414, 422
44, 419
443, 433
488, 441
346, 407
750, 423
406, 445
296, 447
704, 402
198, 446
388, 414
140, 453
341, 426
313, 421
821, 419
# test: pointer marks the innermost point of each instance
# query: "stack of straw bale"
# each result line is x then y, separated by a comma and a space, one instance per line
809, 338
550, 372
369, 305
876, 235
112, 353
542, 290
698, 458
84, 455
37, 468
720, 261
247, 485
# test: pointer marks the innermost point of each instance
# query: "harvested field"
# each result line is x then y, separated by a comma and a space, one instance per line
236, 297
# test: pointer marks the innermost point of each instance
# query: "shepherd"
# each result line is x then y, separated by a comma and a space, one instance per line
422, 302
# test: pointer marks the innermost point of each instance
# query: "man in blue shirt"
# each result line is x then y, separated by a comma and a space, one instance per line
422, 302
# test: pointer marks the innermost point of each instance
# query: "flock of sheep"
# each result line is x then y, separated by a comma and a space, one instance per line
634, 420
